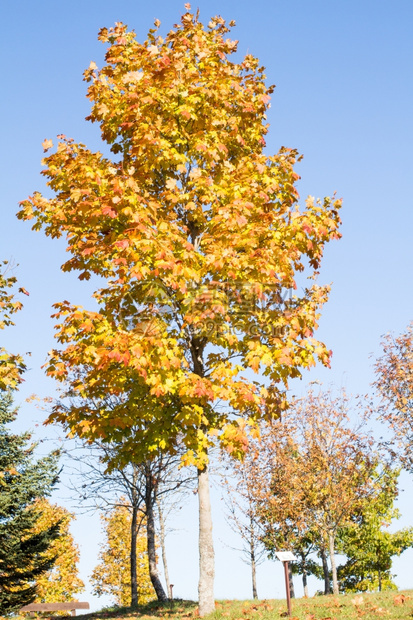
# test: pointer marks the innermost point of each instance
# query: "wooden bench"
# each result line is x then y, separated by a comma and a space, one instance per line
71, 606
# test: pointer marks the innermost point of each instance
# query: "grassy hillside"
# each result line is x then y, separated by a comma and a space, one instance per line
391, 605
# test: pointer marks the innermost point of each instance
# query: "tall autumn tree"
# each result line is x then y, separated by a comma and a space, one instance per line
199, 235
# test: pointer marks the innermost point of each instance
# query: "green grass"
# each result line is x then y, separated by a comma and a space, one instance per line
391, 605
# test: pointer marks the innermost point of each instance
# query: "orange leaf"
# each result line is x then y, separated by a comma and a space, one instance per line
47, 144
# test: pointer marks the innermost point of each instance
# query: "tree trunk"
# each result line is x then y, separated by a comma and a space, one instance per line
380, 583
133, 576
163, 548
206, 546
304, 576
327, 588
333, 563
151, 538
252, 556
254, 575
290, 579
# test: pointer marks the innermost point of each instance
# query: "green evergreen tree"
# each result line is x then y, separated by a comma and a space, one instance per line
22, 480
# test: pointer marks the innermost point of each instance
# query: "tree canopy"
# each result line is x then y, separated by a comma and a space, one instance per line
199, 234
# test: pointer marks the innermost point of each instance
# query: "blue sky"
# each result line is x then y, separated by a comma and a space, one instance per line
344, 99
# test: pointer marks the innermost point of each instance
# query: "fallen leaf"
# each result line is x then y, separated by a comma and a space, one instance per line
357, 601
400, 599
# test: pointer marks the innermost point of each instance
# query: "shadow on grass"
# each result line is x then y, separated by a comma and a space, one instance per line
154, 609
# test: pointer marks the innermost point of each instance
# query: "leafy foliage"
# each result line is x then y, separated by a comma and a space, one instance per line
112, 574
314, 472
369, 545
200, 236
11, 366
22, 546
394, 371
61, 582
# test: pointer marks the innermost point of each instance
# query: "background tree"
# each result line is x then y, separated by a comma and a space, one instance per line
61, 582
278, 529
394, 372
22, 481
302, 542
317, 469
369, 545
112, 574
199, 236
238, 495
102, 474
